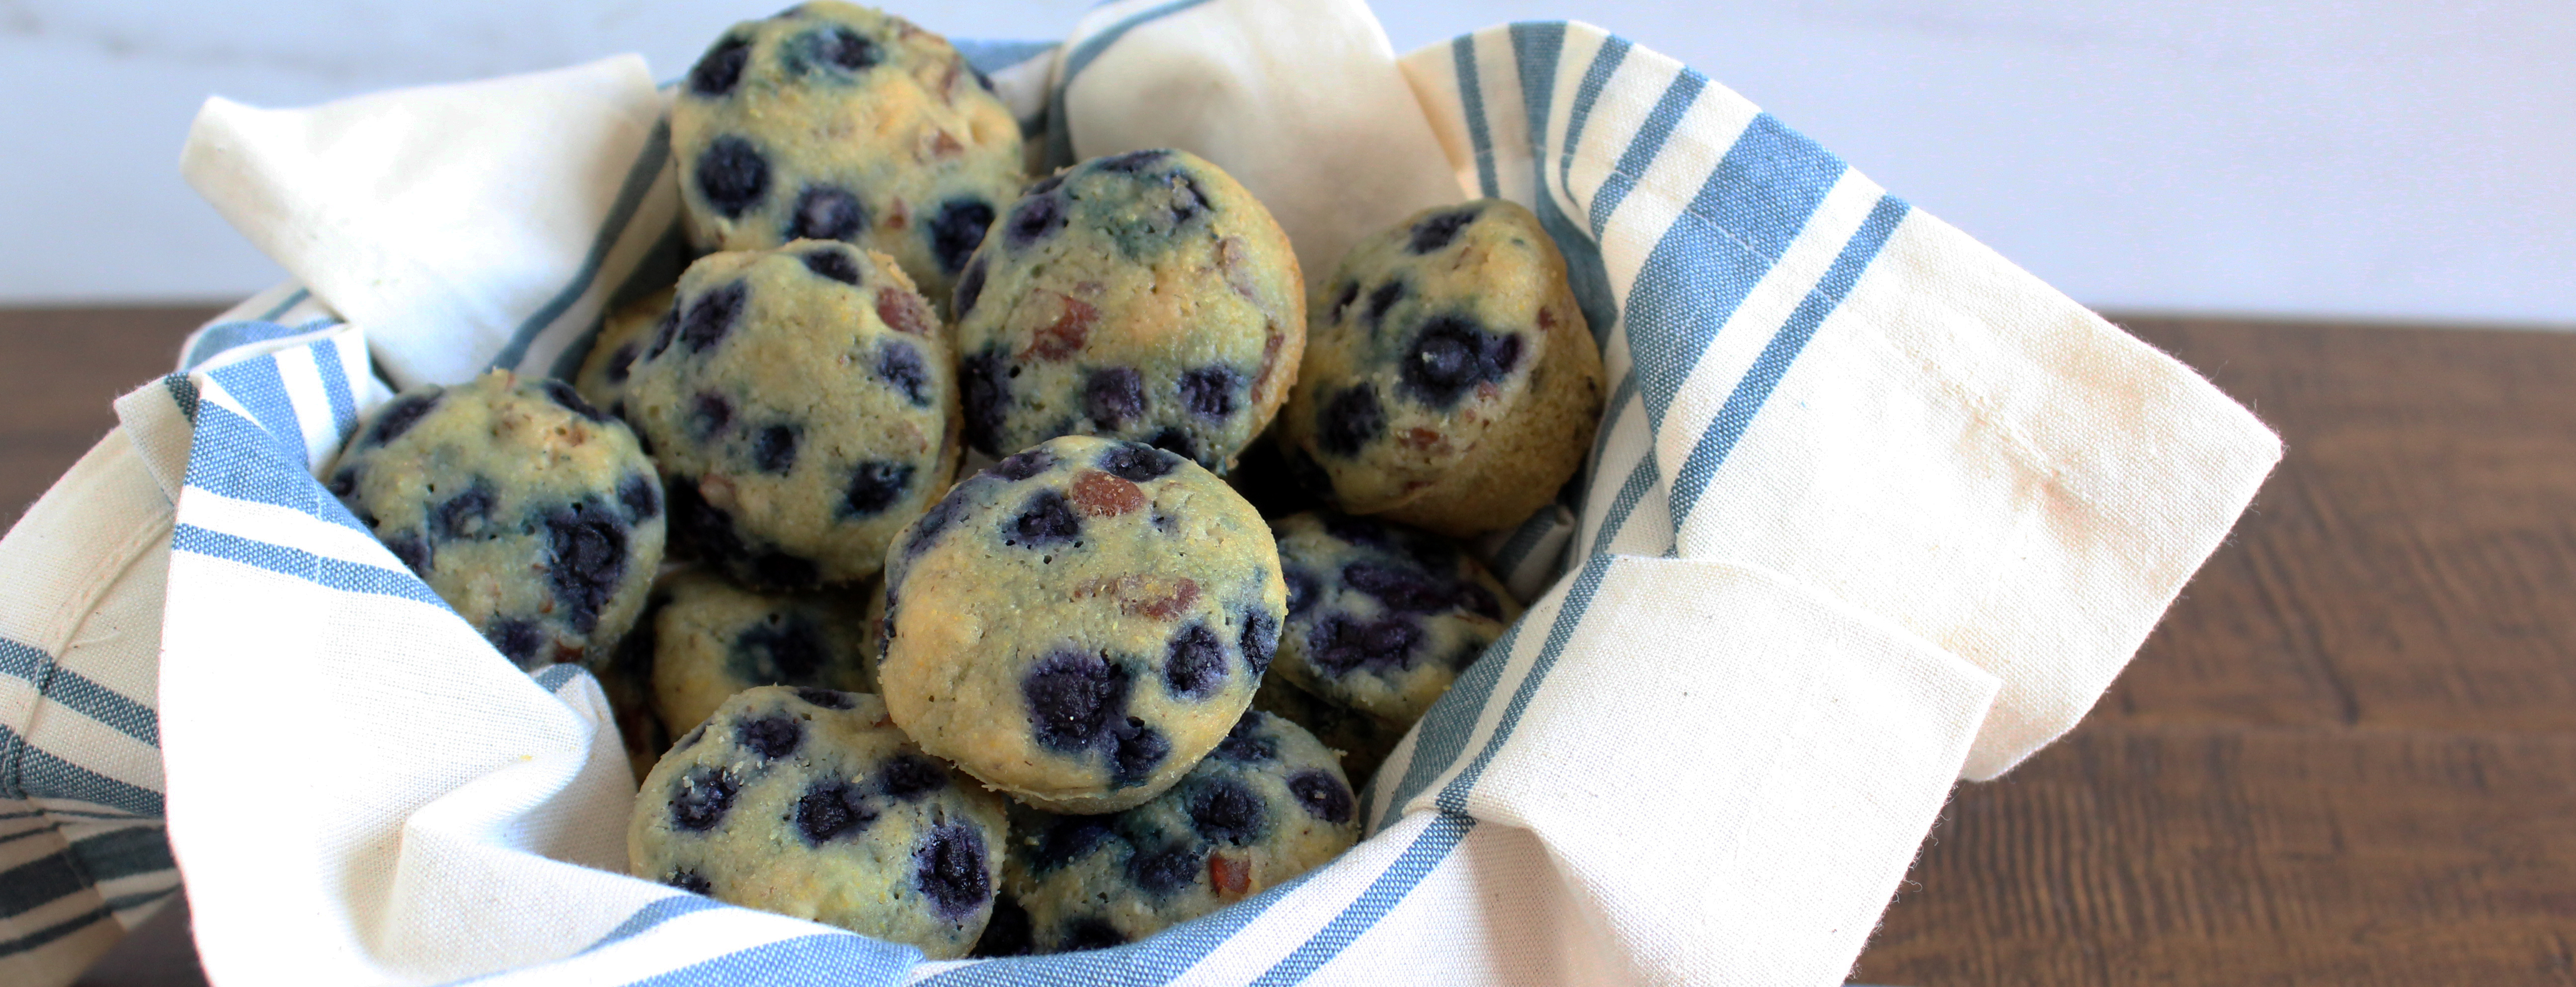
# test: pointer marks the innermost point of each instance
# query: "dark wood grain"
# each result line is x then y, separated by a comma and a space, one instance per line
59, 371
2348, 755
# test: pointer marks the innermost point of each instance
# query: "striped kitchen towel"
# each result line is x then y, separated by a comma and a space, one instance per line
1871, 510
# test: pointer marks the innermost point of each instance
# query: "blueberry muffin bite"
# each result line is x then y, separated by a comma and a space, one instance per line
1360, 740
623, 334
1144, 296
627, 680
712, 639
1449, 380
1382, 618
1268, 804
837, 122
533, 514
809, 803
802, 408
1080, 623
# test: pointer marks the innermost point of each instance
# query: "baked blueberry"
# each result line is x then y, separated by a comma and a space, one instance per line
1451, 382
1379, 613
1068, 625
1270, 806
509, 496
778, 494
780, 807
712, 639
764, 132
1144, 296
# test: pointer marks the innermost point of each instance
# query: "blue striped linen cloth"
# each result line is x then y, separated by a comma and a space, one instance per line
1871, 510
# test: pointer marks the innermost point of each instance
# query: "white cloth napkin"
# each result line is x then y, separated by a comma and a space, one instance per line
1872, 509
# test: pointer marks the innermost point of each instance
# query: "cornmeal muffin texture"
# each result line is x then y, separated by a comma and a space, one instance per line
1082, 622
1144, 296
837, 122
1449, 379
1268, 804
534, 515
622, 337
809, 803
1381, 617
802, 408
1362, 741
712, 639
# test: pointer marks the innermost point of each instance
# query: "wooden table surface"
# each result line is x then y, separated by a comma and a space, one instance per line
2347, 756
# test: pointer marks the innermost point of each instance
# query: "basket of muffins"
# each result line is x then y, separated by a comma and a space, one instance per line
992, 562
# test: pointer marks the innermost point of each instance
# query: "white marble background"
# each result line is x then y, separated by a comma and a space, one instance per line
2395, 159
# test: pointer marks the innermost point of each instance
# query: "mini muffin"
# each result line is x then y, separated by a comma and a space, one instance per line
837, 122
627, 680
1079, 624
534, 515
1145, 296
1362, 741
802, 408
712, 640
622, 337
1449, 379
810, 804
1269, 804
1382, 618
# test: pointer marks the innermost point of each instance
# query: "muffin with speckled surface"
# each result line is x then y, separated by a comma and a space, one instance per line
713, 639
1143, 296
802, 408
1270, 803
832, 121
810, 804
622, 337
1079, 624
1449, 380
532, 513
1382, 617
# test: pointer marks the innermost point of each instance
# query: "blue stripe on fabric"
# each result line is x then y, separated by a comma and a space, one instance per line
657, 269
1745, 215
351, 577
1537, 48
77, 693
652, 915
183, 392
232, 458
989, 57
1751, 392
1060, 129
214, 340
47, 935
648, 165
1471, 97
293, 299
38, 831
552, 677
1578, 601
335, 386
1624, 503
1587, 94
258, 386
1445, 728
1158, 960
29, 771
1391, 887
838, 958
1642, 148
126, 901
644, 920
1517, 548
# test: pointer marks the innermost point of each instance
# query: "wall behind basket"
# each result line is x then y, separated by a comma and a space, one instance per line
2337, 158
